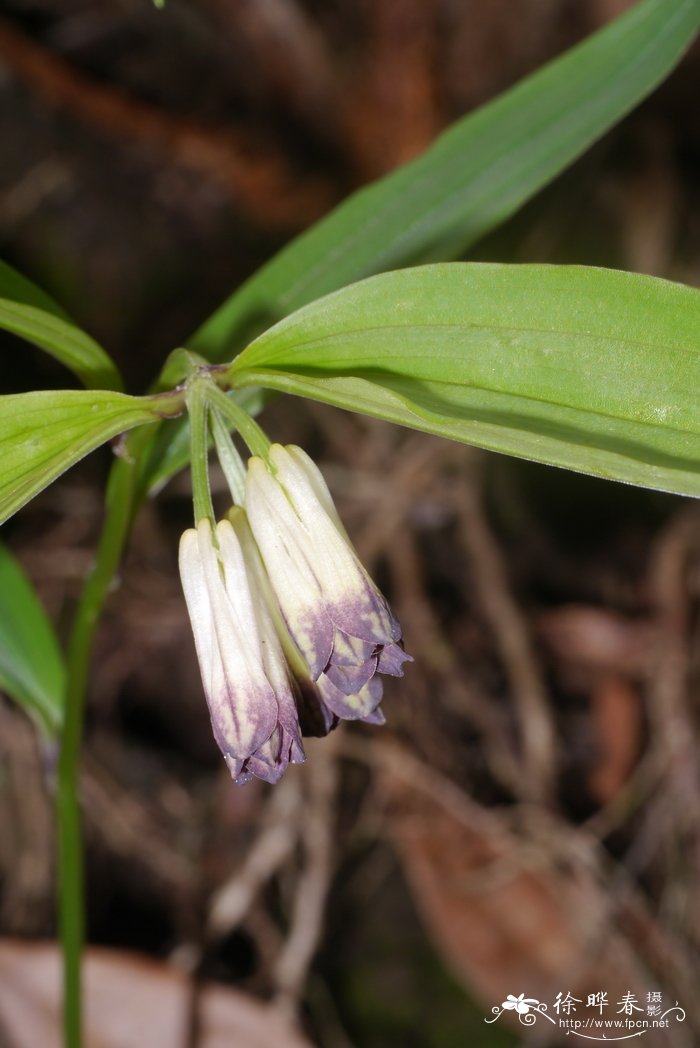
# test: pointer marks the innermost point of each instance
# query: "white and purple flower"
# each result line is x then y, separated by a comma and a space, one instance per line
291, 633
250, 693
337, 617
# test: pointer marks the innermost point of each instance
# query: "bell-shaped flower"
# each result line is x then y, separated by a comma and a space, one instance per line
249, 691
338, 619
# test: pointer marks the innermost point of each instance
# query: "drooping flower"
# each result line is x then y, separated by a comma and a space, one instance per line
249, 690
336, 616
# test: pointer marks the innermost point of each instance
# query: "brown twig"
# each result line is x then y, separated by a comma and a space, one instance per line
674, 735
268, 853
131, 829
513, 640
257, 176
672, 720
437, 657
306, 928
291, 54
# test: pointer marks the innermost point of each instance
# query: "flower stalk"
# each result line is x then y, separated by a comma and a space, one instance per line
197, 406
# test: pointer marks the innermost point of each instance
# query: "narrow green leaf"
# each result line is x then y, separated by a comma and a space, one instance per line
476, 174
591, 369
17, 288
27, 311
31, 665
42, 434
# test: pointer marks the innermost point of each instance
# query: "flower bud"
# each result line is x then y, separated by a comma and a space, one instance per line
337, 617
249, 692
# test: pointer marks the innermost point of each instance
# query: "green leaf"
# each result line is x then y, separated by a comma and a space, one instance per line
29, 312
17, 288
475, 176
42, 434
31, 665
591, 369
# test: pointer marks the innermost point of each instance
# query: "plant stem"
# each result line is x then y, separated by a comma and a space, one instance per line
252, 433
70, 850
229, 459
199, 452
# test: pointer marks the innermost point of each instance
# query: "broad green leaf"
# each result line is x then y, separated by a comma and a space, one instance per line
591, 369
42, 434
29, 312
31, 665
476, 174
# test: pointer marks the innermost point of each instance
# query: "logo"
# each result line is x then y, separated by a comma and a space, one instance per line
598, 1019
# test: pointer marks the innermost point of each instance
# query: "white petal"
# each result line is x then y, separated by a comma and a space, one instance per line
241, 701
294, 467
287, 553
356, 604
274, 660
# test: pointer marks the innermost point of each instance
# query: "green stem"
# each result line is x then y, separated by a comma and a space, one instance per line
70, 851
198, 409
229, 459
253, 435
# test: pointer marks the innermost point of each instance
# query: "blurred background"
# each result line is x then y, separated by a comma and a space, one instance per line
527, 822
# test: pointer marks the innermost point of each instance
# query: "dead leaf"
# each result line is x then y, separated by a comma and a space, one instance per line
507, 914
130, 1002
616, 713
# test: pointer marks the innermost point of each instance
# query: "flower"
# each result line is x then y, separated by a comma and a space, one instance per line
249, 691
291, 633
336, 616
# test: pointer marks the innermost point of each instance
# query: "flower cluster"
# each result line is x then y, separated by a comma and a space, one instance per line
291, 633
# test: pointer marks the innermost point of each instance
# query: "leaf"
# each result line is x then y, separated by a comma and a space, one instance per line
31, 665
27, 311
42, 434
504, 922
17, 288
474, 177
591, 369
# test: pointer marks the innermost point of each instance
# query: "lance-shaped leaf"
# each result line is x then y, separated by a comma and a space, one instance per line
29, 312
31, 664
475, 176
42, 434
591, 369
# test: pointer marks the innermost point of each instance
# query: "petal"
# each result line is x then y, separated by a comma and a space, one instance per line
350, 707
241, 702
354, 602
391, 660
275, 663
288, 557
197, 597
376, 718
270, 761
294, 466
349, 679
351, 651
235, 766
